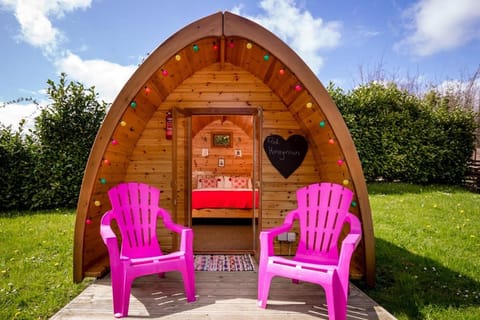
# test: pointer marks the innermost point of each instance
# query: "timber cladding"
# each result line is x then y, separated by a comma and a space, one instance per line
226, 68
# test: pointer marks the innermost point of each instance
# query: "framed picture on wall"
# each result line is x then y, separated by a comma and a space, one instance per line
221, 162
222, 139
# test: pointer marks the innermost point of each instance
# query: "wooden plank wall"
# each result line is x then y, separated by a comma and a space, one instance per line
234, 165
151, 160
111, 171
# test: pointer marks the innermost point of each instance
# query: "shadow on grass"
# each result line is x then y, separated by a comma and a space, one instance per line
406, 283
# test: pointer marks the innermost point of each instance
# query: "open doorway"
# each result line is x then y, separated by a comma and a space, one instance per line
224, 197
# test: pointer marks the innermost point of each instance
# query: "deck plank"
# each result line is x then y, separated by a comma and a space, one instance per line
220, 295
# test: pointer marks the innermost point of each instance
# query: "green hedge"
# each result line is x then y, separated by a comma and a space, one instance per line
402, 137
17, 159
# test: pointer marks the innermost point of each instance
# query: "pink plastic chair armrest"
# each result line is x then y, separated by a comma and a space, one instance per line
169, 223
186, 240
109, 237
349, 244
267, 236
355, 225
353, 238
186, 234
287, 225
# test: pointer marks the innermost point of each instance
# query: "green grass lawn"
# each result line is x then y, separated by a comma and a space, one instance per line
428, 251
427, 248
36, 264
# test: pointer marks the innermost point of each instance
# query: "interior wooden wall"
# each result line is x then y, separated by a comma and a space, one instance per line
234, 165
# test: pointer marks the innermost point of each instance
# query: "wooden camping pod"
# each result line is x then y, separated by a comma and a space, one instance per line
224, 67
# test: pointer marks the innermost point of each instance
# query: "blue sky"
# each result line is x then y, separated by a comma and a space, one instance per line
101, 42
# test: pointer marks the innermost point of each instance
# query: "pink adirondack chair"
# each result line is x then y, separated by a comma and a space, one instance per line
322, 210
135, 207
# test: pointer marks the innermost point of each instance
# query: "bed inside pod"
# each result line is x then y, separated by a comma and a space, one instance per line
223, 200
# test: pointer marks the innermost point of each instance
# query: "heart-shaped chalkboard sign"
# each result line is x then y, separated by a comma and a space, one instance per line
285, 155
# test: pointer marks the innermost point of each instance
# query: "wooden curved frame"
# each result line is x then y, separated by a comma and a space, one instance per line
220, 26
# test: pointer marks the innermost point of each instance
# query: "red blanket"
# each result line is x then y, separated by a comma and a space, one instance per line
223, 198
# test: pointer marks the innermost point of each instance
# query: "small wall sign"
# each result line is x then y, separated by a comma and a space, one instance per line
285, 155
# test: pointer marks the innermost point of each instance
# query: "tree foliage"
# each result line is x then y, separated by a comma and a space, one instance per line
65, 130
56, 150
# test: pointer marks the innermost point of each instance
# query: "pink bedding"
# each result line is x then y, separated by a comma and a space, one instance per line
223, 198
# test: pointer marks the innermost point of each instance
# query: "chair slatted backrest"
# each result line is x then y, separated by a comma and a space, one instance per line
135, 206
322, 210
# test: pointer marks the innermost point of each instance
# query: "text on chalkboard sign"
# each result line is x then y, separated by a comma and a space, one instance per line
285, 155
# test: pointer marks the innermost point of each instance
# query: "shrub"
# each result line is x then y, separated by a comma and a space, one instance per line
17, 157
402, 137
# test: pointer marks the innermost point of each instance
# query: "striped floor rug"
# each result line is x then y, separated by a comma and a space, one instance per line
221, 262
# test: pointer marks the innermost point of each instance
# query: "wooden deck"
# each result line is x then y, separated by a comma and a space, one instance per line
220, 295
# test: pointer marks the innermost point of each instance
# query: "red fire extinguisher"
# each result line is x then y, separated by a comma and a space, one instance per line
169, 125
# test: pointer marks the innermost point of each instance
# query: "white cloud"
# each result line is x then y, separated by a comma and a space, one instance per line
467, 91
307, 35
440, 25
36, 28
34, 18
107, 77
365, 32
12, 114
